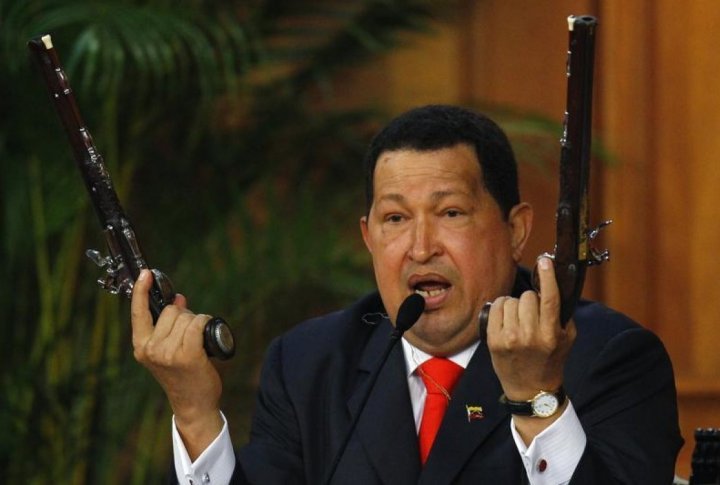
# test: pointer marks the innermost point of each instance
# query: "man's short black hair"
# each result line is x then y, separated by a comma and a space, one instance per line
434, 127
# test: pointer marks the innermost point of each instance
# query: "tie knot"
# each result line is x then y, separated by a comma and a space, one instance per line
440, 375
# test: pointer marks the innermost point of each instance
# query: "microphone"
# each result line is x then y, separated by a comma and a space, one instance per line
408, 313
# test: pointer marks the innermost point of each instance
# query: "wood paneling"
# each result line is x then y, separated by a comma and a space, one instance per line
624, 108
703, 137
671, 178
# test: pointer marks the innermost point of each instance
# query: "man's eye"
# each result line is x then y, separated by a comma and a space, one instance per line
394, 218
453, 213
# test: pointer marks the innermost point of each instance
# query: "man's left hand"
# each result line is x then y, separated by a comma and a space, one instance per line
528, 345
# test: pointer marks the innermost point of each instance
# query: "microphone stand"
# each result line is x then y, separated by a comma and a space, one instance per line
409, 312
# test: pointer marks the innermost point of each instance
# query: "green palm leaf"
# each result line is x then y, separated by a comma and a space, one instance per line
206, 114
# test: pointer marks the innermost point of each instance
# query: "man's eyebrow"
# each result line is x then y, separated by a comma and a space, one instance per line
394, 197
441, 194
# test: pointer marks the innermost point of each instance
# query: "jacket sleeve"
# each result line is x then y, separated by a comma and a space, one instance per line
627, 404
274, 452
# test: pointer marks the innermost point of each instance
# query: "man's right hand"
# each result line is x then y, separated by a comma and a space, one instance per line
173, 352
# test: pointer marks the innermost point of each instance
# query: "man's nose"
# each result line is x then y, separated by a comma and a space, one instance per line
425, 243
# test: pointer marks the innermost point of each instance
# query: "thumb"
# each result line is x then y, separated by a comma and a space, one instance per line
142, 322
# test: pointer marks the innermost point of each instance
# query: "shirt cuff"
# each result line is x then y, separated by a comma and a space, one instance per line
215, 464
554, 454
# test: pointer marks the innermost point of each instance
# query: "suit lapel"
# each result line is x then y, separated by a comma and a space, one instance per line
459, 437
386, 428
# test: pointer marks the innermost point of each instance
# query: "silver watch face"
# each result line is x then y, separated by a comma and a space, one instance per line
545, 405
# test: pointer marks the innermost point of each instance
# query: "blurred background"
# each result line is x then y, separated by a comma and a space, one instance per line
234, 133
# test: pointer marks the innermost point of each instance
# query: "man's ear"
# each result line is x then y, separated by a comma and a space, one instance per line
365, 232
520, 222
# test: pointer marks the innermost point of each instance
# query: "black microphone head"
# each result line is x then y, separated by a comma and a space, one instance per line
409, 312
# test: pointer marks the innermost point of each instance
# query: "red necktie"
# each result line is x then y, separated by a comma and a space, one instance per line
439, 375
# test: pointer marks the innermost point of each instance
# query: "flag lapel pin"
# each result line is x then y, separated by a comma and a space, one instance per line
474, 413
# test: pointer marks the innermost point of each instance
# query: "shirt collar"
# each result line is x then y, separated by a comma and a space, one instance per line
414, 357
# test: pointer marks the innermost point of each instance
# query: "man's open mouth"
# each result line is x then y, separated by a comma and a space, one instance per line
428, 292
429, 286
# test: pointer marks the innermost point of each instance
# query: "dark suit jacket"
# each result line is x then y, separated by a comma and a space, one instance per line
618, 377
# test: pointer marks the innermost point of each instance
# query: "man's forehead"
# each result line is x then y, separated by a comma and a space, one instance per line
434, 196
446, 170
465, 147
447, 160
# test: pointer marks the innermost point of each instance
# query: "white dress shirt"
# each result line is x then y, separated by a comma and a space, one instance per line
560, 446
550, 459
215, 465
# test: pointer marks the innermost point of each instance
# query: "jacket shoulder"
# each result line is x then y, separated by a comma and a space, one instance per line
608, 339
335, 340
359, 317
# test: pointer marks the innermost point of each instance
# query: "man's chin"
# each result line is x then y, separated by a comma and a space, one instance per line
432, 339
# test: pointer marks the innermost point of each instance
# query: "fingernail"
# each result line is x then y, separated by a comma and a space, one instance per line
544, 263
143, 274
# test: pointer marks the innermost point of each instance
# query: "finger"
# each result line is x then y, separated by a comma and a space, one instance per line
193, 336
495, 316
173, 341
510, 312
141, 319
528, 310
166, 322
180, 301
495, 321
549, 294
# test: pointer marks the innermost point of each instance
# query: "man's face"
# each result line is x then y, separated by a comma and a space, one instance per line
434, 229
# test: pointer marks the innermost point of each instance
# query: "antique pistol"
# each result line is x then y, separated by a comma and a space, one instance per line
573, 252
125, 260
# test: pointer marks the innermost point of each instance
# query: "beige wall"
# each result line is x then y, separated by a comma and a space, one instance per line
657, 108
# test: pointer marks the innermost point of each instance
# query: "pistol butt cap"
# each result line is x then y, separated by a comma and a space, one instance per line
483, 319
47, 40
218, 339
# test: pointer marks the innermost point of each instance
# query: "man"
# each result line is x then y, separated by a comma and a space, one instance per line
444, 220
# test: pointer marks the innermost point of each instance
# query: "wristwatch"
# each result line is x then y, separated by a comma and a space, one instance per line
543, 405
